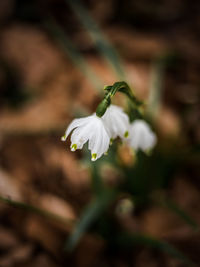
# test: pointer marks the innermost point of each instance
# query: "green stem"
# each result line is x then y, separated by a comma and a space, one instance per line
97, 182
111, 91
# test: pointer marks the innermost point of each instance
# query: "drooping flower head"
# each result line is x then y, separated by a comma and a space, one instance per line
109, 122
117, 121
92, 129
141, 136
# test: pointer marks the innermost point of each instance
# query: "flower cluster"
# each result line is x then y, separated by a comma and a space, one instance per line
99, 131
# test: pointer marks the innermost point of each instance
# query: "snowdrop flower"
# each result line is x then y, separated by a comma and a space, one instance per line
92, 129
141, 136
116, 121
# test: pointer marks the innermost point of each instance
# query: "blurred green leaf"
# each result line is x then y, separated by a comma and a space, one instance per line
147, 175
156, 87
159, 66
102, 44
90, 214
181, 213
97, 182
71, 51
32, 209
127, 240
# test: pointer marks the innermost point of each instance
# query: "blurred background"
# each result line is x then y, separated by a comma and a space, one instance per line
126, 209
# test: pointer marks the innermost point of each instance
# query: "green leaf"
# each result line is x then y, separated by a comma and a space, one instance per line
102, 44
90, 214
71, 51
156, 87
159, 66
127, 240
181, 213
32, 209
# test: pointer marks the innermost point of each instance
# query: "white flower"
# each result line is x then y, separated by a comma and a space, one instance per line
116, 121
92, 129
141, 136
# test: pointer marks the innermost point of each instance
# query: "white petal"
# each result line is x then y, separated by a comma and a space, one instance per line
91, 128
99, 141
80, 136
141, 136
116, 121
134, 138
104, 145
150, 141
123, 125
74, 124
